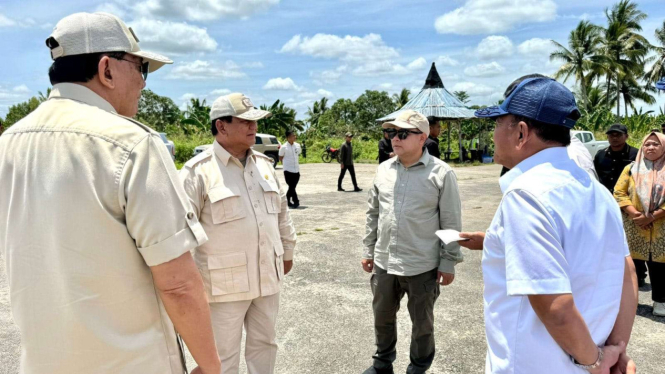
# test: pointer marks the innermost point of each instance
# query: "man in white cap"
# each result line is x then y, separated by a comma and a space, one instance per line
236, 195
413, 195
95, 227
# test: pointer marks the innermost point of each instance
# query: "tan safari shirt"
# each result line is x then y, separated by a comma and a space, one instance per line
244, 212
88, 201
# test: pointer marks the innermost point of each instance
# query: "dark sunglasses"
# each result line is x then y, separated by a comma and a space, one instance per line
143, 67
401, 134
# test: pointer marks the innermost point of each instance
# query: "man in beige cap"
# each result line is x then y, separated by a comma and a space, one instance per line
236, 195
420, 193
95, 227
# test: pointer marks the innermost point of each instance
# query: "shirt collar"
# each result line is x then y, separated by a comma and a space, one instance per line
225, 156
424, 159
81, 94
548, 155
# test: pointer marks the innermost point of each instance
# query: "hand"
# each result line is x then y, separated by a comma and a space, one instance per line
642, 220
288, 265
198, 370
625, 365
341, 166
368, 264
611, 354
475, 242
445, 279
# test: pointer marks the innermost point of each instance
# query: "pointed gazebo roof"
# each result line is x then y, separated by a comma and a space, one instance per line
434, 101
661, 84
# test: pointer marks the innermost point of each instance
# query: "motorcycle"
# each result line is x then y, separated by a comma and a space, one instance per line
331, 153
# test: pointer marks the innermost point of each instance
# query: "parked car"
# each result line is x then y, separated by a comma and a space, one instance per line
266, 144
590, 142
169, 145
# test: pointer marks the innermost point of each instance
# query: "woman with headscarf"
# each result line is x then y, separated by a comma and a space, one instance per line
640, 194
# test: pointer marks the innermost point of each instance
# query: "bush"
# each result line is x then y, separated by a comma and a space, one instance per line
185, 144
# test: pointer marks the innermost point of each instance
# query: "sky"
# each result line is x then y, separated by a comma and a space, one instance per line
301, 50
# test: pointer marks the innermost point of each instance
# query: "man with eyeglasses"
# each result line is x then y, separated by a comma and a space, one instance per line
96, 229
413, 195
236, 195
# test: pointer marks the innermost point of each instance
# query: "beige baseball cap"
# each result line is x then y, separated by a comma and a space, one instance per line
236, 105
85, 33
409, 119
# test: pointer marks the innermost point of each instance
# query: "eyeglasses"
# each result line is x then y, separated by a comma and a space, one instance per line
143, 67
401, 134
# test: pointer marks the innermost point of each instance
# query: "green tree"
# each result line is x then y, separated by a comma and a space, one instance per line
657, 71
372, 105
462, 96
402, 98
624, 49
18, 111
580, 57
158, 112
315, 112
337, 120
631, 91
196, 117
283, 118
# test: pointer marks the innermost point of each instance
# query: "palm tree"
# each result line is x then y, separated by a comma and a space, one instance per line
317, 110
283, 118
402, 98
623, 48
657, 71
580, 57
43, 97
196, 116
631, 91
462, 96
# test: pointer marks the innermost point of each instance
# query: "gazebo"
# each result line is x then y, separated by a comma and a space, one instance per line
434, 100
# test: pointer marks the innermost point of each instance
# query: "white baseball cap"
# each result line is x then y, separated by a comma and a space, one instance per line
236, 105
409, 119
86, 33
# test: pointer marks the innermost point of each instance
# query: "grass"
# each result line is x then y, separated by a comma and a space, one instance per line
318, 230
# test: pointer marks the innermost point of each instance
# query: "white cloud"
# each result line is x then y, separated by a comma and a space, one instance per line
374, 68
473, 89
112, 8
349, 48
329, 76
220, 92
416, 64
21, 89
536, 46
492, 16
200, 70
204, 10
172, 37
188, 96
253, 65
325, 93
385, 86
447, 61
494, 46
6, 22
492, 69
281, 84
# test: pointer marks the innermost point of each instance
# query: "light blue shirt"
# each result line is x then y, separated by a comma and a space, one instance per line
556, 231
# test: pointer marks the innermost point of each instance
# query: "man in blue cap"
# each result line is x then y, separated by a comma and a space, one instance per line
555, 256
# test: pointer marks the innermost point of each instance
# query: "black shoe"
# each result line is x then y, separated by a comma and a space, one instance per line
641, 283
296, 205
373, 370
291, 205
357, 189
340, 189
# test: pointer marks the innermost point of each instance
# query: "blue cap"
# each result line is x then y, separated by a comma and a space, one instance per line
661, 84
541, 99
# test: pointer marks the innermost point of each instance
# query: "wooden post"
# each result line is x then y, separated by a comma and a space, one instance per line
461, 156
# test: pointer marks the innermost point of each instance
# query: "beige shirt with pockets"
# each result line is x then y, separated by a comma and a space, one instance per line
89, 200
243, 210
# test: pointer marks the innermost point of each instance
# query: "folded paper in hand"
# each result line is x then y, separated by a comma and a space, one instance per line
449, 236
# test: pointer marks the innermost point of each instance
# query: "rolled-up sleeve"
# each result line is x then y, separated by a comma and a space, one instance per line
371, 222
159, 216
450, 218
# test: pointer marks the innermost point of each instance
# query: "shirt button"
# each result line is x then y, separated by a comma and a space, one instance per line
261, 224
190, 215
250, 188
256, 205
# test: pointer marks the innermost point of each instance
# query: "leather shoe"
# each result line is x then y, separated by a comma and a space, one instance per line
373, 370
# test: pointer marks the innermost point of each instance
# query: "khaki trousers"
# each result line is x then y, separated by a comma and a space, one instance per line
258, 316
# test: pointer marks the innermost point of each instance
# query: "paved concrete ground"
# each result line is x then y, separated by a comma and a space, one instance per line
325, 322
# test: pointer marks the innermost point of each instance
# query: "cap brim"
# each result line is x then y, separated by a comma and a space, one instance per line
156, 61
254, 114
611, 131
490, 112
400, 124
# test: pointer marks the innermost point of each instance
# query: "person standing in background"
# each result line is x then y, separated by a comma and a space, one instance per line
432, 142
346, 155
385, 147
289, 155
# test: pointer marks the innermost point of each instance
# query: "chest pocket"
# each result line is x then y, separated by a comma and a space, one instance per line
271, 196
226, 204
